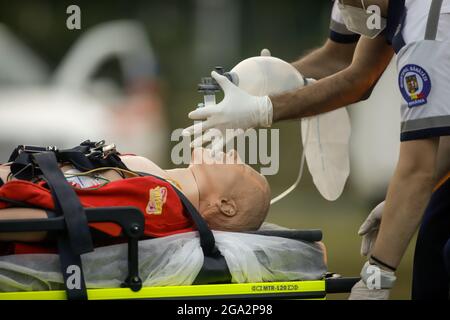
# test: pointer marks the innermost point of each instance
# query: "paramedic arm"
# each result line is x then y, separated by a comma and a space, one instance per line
341, 89
19, 214
408, 194
240, 110
329, 59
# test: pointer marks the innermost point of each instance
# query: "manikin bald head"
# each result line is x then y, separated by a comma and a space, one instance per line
233, 196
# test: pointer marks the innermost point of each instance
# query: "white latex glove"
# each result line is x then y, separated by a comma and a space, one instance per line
238, 110
217, 137
375, 283
369, 229
361, 292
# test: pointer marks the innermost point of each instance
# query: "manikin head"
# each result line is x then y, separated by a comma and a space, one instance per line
233, 196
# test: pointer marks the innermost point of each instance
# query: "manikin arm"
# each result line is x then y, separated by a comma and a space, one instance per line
19, 214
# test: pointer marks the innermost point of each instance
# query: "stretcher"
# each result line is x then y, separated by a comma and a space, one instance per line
69, 225
213, 281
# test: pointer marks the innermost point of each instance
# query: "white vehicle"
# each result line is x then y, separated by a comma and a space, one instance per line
69, 106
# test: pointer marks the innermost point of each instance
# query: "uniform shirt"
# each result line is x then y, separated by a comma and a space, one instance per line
423, 71
425, 110
416, 13
338, 31
416, 20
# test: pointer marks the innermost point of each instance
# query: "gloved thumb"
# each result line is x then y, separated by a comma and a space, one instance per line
223, 81
366, 226
373, 220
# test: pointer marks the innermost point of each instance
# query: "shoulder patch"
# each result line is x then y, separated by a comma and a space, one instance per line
415, 85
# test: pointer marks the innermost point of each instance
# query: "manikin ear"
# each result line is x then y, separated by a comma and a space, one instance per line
227, 207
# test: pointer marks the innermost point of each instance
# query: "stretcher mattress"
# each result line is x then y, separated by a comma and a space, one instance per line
175, 261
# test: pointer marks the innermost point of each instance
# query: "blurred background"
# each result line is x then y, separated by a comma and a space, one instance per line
130, 75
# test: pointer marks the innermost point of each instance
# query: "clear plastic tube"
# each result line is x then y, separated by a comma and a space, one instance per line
209, 100
300, 171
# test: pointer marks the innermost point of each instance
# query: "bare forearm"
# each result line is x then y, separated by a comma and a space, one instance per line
408, 195
326, 95
329, 59
348, 86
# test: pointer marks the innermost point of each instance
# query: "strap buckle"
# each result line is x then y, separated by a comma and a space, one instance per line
100, 149
34, 149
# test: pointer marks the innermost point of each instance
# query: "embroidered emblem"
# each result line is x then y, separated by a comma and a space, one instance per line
415, 85
157, 198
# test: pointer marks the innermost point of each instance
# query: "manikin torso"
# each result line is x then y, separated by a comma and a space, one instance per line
182, 178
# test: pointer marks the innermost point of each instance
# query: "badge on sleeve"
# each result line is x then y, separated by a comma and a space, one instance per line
415, 85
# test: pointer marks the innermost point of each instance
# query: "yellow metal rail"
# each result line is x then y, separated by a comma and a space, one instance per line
293, 289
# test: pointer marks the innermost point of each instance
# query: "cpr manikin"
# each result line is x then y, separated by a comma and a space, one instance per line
230, 195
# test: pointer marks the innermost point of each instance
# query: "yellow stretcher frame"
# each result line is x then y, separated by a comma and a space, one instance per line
315, 289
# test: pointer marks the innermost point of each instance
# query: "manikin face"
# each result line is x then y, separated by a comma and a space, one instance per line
224, 167
233, 196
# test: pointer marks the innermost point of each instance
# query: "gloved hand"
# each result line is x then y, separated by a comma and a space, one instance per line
361, 292
369, 229
375, 283
238, 110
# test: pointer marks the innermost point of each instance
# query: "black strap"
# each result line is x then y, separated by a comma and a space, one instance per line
80, 158
381, 263
66, 203
72, 270
302, 235
207, 241
85, 157
22, 166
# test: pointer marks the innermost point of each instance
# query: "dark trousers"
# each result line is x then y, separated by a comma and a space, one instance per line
431, 271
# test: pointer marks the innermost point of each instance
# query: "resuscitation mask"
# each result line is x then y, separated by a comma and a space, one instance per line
325, 137
360, 21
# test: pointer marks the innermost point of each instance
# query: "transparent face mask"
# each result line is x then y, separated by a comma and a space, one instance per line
366, 21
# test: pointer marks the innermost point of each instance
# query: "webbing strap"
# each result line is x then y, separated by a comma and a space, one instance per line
433, 20
72, 270
207, 240
82, 157
66, 203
